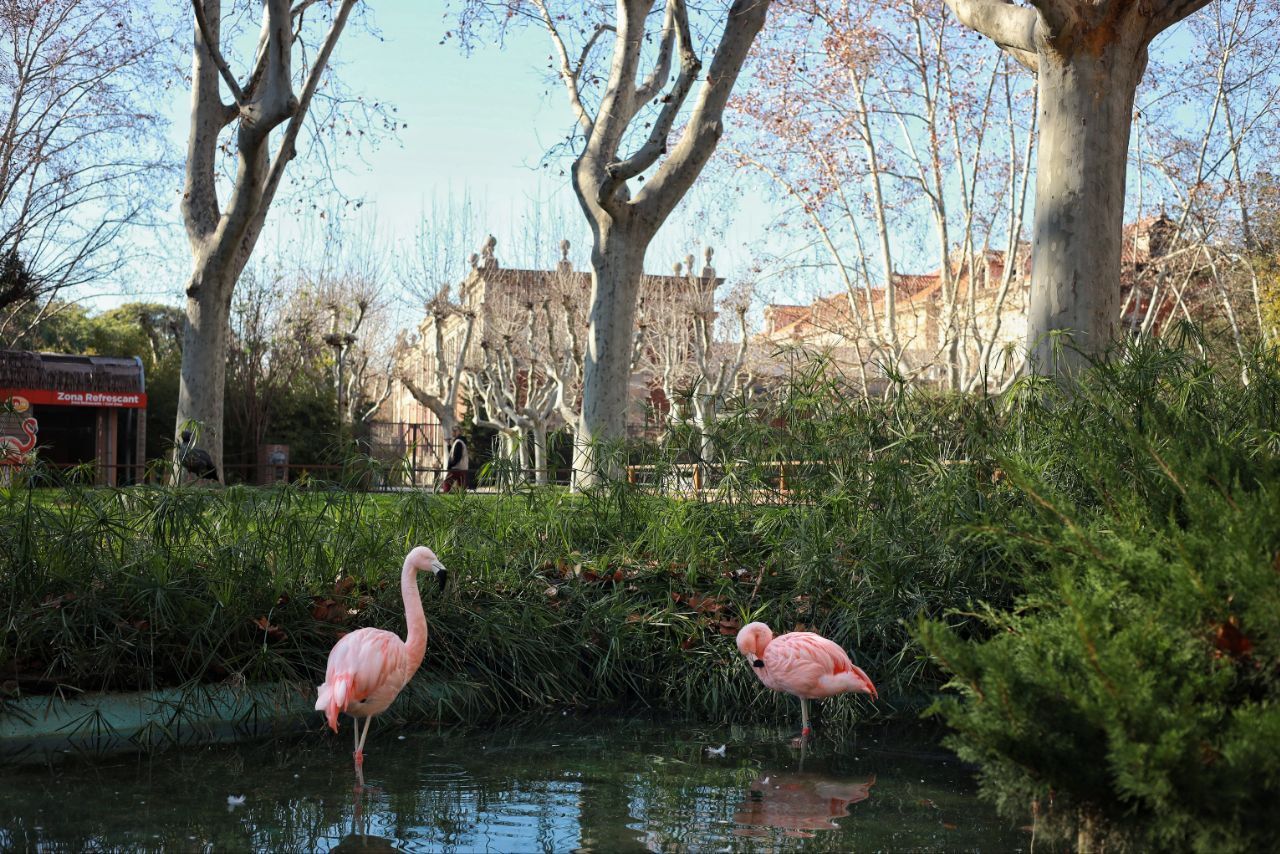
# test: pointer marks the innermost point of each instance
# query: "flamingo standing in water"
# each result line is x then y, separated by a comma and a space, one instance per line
369, 667
802, 664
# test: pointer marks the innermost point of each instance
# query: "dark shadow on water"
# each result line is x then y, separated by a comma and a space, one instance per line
546, 784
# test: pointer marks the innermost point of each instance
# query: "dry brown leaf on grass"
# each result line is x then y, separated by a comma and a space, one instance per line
728, 627
274, 634
328, 610
698, 602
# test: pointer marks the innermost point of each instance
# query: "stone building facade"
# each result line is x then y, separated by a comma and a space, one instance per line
988, 314
499, 298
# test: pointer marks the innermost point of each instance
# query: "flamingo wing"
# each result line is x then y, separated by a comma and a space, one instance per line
368, 665
808, 665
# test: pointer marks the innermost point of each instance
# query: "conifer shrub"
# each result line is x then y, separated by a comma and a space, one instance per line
1130, 697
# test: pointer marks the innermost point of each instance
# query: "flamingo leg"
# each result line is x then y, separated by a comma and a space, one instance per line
806, 732
363, 736
357, 755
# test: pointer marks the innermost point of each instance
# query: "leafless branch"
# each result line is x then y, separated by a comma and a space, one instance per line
211, 45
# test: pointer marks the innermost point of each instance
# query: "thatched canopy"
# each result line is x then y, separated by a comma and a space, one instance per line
59, 372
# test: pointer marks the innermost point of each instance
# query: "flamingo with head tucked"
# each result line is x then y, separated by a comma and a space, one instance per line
369, 667
802, 664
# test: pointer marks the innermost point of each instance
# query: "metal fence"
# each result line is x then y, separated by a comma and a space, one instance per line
362, 475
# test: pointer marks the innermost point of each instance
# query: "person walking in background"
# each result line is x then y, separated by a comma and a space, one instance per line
458, 461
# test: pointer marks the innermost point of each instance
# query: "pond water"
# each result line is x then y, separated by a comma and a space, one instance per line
552, 784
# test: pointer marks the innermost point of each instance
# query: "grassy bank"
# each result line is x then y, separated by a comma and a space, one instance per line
619, 597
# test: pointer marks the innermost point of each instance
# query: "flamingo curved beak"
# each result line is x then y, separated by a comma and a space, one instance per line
868, 686
442, 574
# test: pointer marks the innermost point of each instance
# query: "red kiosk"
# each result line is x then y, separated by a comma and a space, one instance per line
79, 409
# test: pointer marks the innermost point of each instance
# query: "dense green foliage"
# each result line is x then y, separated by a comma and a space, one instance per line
1133, 692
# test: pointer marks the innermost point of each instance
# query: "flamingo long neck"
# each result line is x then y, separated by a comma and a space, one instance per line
28, 427
415, 619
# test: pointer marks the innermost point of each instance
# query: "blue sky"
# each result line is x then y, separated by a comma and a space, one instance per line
477, 124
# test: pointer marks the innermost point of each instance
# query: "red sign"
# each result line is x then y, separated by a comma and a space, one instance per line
48, 397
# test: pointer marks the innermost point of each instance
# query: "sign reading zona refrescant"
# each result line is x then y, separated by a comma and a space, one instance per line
50, 397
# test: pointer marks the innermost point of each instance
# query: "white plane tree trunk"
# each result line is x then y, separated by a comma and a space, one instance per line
539, 432
1086, 110
623, 224
222, 239
1088, 59
617, 266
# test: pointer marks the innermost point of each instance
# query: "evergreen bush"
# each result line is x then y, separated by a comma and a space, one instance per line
1130, 697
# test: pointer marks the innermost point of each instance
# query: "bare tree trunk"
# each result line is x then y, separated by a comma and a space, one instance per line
1086, 110
204, 361
622, 221
540, 453
1088, 59
223, 238
617, 266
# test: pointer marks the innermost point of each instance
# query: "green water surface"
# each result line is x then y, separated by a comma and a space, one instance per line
553, 784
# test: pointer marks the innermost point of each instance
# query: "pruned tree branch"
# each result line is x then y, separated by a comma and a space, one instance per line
568, 73
656, 145
657, 79
211, 45
1011, 27
297, 112
676, 175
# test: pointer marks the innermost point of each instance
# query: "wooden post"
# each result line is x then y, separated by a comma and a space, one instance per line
140, 453
100, 447
113, 446
697, 479
631, 475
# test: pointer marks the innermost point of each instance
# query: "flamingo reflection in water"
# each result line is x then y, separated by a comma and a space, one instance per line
360, 839
797, 803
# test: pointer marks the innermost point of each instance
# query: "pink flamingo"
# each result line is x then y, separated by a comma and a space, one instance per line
369, 667
11, 444
803, 664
